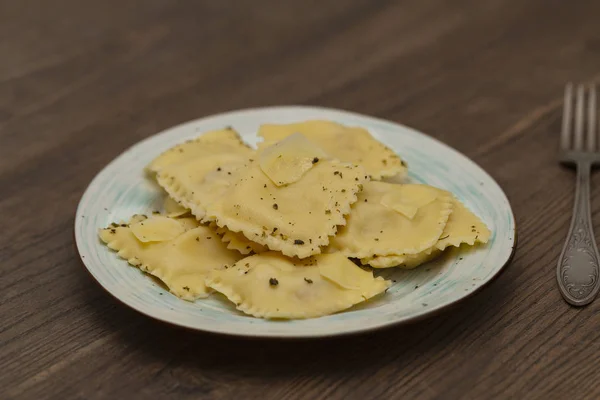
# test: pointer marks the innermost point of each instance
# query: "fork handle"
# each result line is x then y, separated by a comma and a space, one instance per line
578, 266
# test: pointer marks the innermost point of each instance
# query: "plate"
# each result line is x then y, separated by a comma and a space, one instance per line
121, 190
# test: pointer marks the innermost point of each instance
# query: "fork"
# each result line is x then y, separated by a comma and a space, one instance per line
577, 271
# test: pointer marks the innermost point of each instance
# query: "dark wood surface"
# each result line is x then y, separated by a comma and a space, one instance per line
82, 80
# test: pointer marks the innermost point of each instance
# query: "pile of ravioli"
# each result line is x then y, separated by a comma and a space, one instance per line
289, 230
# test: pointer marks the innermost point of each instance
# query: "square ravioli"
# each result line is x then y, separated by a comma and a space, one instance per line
220, 142
295, 219
197, 182
348, 144
390, 219
179, 252
463, 227
270, 285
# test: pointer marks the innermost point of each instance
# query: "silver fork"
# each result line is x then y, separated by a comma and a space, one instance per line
578, 266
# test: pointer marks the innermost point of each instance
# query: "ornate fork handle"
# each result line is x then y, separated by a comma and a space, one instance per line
579, 263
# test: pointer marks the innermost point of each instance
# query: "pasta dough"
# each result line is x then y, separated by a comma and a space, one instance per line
198, 182
270, 285
237, 241
348, 144
377, 229
173, 208
463, 227
181, 262
156, 229
295, 219
221, 142
288, 160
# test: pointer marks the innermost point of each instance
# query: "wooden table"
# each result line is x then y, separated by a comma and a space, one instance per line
80, 81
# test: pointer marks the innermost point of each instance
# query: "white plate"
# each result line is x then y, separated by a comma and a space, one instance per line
121, 190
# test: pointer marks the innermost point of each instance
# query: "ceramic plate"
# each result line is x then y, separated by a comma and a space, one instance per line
121, 190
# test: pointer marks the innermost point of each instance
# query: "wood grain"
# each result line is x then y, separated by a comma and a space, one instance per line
80, 81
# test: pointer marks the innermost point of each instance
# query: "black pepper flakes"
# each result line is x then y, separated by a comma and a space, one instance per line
308, 280
445, 237
275, 206
298, 241
219, 169
273, 282
186, 288
114, 225
327, 212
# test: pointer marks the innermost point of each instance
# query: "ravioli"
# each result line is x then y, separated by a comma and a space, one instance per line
463, 227
198, 182
295, 219
157, 229
237, 241
220, 142
270, 285
173, 209
406, 261
181, 262
375, 229
253, 225
348, 144
287, 161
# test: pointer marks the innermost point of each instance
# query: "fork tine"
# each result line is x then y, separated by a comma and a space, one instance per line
566, 122
578, 143
592, 119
